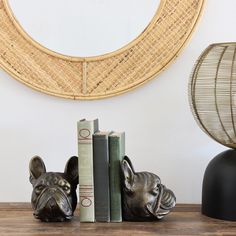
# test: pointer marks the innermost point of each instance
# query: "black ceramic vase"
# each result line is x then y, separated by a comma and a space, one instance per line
219, 187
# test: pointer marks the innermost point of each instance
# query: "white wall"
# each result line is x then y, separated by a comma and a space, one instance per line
162, 135
84, 28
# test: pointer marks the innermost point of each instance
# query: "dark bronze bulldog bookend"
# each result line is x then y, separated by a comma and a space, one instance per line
54, 194
144, 197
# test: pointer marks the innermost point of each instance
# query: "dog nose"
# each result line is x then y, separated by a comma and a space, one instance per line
51, 203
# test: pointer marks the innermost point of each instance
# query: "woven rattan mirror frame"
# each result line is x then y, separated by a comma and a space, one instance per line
101, 76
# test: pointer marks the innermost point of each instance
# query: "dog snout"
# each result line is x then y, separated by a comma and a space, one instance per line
52, 203
168, 199
53, 190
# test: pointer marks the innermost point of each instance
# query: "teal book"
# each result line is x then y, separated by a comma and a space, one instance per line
101, 176
86, 129
116, 154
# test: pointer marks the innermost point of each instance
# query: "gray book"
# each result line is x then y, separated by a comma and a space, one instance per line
116, 154
101, 176
86, 129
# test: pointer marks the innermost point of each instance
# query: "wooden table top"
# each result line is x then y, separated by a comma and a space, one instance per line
16, 219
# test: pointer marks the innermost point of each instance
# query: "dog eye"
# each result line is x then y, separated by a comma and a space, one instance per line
39, 188
66, 188
61, 183
155, 191
55, 180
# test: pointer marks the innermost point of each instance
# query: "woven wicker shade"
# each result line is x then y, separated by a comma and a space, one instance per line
104, 76
213, 92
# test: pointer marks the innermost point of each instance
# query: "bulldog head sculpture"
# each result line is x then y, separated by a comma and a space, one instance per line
54, 194
144, 197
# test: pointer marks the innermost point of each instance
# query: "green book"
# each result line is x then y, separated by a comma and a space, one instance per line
101, 176
86, 129
116, 154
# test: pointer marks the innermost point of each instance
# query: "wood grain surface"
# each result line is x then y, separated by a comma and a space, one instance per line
17, 219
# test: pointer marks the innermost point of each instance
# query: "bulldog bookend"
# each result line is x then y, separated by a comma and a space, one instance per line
144, 197
54, 194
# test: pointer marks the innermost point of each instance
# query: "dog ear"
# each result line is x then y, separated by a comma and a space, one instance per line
71, 170
36, 168
128, 173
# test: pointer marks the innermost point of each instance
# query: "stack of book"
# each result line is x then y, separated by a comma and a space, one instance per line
100, 154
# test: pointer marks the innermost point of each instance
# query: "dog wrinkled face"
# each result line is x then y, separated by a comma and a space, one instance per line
144, 197
54, 194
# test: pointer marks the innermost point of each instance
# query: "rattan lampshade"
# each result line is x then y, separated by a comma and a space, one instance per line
213, 92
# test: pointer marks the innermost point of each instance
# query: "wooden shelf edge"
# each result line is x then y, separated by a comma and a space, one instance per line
187, 208
26, 206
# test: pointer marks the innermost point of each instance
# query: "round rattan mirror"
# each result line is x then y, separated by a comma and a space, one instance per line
100, 26
102, 76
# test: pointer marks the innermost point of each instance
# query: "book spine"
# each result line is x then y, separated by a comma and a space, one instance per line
101, 178
116, 154
86, 129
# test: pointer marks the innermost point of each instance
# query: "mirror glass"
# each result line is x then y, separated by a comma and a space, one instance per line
84, 28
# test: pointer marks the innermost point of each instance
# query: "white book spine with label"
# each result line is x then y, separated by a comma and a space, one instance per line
86, 129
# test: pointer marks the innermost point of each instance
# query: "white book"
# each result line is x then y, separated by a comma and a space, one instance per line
86, 129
